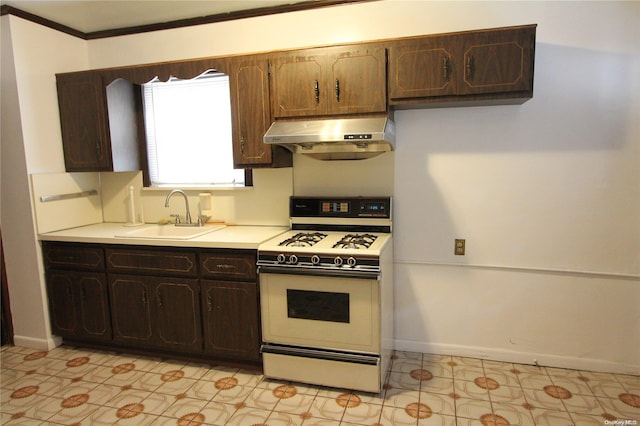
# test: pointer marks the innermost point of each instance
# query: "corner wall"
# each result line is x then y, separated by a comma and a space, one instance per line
31, 55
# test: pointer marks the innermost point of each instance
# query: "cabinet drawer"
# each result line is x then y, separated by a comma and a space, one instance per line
227, 264
152, 261
73, 256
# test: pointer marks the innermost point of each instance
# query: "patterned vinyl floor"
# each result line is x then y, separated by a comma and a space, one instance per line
70, 386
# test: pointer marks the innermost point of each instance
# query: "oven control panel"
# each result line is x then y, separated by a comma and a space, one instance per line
358, 207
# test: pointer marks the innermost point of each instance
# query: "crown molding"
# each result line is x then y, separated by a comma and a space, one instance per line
209, 19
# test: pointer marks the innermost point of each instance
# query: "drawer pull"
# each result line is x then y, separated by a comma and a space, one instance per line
225, 266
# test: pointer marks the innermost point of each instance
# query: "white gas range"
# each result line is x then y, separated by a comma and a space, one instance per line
326, 292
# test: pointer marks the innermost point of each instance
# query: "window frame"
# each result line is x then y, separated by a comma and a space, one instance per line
142, 149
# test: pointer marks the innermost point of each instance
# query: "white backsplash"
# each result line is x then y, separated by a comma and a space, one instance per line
66, 213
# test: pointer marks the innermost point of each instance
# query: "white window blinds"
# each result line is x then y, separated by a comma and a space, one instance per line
188, 127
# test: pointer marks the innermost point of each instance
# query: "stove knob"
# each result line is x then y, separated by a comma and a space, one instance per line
293, 259
351, 261
315, 259
281, 258
337, 261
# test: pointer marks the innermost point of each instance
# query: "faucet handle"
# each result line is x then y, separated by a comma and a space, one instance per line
202, 219
177, 216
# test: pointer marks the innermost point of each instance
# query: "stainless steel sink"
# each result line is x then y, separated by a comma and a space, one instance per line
169, 232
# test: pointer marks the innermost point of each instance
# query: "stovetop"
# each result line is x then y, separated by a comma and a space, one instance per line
336, 232
327, 242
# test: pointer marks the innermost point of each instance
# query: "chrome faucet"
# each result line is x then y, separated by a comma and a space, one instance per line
186, 203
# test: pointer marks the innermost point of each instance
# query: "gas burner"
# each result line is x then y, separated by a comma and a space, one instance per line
355, 241
303, 239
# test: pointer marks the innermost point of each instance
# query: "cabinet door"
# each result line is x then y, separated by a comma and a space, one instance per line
131, 310
94, 319
62, 303
231, 324
84, 122
251, 113
422, 68
356, 80
177, 314
498, 61
297, 85
79, 305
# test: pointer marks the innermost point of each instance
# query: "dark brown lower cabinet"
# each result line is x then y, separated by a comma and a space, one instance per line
193, 302
156, 312
230, 319
79, 305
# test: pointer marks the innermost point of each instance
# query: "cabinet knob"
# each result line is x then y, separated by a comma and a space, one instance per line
469, 67
445, 67
209, 304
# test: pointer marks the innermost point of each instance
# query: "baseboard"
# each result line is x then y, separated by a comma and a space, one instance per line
39, 344
496, 354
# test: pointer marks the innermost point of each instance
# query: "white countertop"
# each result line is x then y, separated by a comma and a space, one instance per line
242, 237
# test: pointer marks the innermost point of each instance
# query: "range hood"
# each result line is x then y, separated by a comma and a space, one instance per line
335, 139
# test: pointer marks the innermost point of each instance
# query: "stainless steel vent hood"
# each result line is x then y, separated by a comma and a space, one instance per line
335, 139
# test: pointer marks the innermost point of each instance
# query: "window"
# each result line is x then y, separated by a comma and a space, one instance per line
188, 128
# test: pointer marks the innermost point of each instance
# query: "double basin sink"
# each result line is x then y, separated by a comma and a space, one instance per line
169, 232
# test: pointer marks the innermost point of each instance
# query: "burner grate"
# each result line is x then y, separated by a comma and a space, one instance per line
303, 239
355, 241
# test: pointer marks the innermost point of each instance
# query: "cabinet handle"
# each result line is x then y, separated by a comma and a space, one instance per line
144, 297
225, 266
469, 67
209, 304
445, 67
243, 142
316, 89
83, 294
337, 90
159, 300
69, 291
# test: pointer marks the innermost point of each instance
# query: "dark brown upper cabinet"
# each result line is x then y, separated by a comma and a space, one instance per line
98, 120
475, 67
329, 81
251, 114
84, 123
103, 127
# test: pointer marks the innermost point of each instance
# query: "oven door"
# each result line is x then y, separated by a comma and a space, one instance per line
324, 312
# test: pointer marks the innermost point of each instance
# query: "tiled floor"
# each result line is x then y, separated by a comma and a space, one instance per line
75, 386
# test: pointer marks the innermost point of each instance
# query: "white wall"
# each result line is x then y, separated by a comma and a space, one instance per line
547, 193
31, 55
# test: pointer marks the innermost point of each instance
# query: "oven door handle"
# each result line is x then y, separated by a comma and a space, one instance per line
320, 354
319, 272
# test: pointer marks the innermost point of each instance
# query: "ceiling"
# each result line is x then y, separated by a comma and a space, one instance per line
88, 16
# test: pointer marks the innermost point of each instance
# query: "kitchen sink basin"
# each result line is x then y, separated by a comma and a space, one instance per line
169, 232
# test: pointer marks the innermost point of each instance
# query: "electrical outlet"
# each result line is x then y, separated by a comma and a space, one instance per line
458, 249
